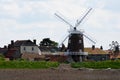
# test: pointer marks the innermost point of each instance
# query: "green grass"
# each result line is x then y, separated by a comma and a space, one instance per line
97, 65
27, 64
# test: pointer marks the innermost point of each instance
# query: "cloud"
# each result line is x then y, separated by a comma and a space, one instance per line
28, 19
10, 8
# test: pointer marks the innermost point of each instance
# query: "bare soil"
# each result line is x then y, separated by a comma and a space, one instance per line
63, 72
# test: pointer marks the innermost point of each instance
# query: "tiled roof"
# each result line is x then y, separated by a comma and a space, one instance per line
95, 51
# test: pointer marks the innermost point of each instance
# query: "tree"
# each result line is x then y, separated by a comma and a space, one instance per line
114, 49
48, 42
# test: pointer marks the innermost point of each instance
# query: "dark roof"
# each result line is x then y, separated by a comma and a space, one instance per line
24, 43
48, 49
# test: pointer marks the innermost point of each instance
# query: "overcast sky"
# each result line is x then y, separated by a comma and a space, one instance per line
35, 19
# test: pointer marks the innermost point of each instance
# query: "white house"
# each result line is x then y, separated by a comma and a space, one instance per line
27, 46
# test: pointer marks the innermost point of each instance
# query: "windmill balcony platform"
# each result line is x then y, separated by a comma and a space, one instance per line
76, 53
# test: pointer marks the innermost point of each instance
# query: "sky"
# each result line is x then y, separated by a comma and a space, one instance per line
35, 19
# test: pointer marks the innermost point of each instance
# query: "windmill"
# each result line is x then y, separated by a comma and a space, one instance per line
75, 48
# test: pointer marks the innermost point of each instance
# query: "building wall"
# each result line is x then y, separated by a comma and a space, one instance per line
98, 57
30, 49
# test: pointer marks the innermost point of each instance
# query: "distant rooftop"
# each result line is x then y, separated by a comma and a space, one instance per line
24, 43
95, 51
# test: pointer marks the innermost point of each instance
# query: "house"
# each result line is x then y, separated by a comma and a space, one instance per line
27, 46
97, 54
12, 53
19, 47
3, 50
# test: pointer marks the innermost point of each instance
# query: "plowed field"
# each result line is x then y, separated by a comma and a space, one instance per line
64, 72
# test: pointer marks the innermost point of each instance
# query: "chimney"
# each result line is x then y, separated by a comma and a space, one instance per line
34, 41
12, 42
5, 46
101, 47
9, 46
93, 47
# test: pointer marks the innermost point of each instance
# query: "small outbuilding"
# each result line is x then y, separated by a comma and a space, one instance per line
97, 54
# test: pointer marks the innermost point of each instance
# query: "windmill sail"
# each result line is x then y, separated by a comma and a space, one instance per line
78, 22
64, 40
90, 39
63, 20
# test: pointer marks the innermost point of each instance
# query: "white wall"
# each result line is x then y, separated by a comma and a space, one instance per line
30, 49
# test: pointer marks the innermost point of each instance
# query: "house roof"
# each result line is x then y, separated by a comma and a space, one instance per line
95, 51
24, 43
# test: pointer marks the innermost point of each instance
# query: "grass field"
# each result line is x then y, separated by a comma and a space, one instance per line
27, 64
23, 64
98, 65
